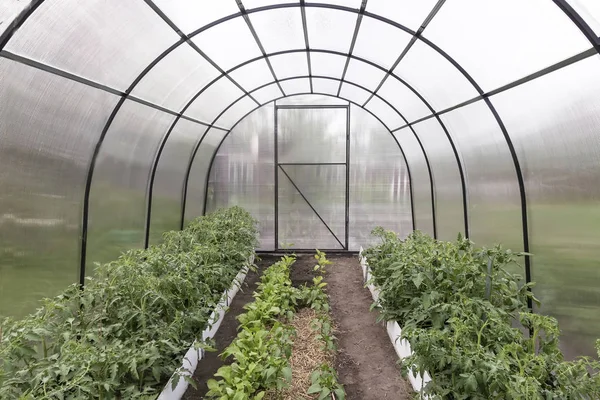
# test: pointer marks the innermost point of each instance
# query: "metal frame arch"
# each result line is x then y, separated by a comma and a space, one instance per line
414, 227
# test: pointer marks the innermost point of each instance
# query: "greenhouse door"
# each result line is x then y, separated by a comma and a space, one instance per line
312, 146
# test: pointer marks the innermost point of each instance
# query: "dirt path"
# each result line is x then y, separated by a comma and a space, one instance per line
366, 361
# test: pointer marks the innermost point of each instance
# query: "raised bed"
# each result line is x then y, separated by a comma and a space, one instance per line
394, 330
193, 355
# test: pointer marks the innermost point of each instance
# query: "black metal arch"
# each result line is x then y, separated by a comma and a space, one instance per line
410, 181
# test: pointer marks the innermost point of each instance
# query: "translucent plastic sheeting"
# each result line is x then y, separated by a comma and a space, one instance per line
108, 41
446, 179
117, 212
296, 86
267, 93
312, 99
500, 41
243, 172
48, 129
324, 64
190, 15
289, 65
9, 10
589, 10
279, 29
229, 43
170, 174
249, 4
330, 29
421, 185
312, 135
434, 77
386, 113
253, 75
364, 74
354, 93
380, 42
554, 124
379, 184
493, 189
324, 188
237, 111
198, 179
214, 100
403, 99
176, 78
406, 12
326, 86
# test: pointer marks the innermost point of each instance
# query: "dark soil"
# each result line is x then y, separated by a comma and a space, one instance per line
366, 360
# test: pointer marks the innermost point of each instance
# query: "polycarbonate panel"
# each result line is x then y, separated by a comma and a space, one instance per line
403, 99
176, 78
387, 114
324, 187
9, 10
446, 179
421, 185
364, 74
290, 65
504, 40
190, 15
267, 93
312, 99
346, 3
279, 29
434, 77
117, 213
236, 112
493, 190
170, 174
330, 29
108, 41
294, 86
324, 64
315, 135
48, 129
229, 43
589, 10
326, 86
299, 227
354, 94
253, 75
249, 4
379, 184
214, 100
197, 183
554, 123
380, 42
409, 13
243, 172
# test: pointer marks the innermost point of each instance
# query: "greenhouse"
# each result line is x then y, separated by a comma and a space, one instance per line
142, 138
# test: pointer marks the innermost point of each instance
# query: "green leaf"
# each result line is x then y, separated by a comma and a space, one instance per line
314, 388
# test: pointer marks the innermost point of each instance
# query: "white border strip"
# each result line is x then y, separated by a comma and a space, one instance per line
401, 346
193, 356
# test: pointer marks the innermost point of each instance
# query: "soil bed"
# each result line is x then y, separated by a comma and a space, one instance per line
366, 360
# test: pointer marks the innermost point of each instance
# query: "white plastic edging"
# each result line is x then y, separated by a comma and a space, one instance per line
394, 331
193, 356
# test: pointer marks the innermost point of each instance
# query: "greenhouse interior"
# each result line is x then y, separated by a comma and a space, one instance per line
127, 125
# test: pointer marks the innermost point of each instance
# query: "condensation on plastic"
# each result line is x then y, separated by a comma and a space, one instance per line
199, 174
243, 172
190, 15
324, 64
493, 190
589, 10
380, 42
109, 41
228, 44
214, 100
420, 180
48, 129
289, 65
330, 29
253, 75
267, 93
279, 29
554, 124
434, 77
176, 78
167, 193
236, 112
500, 41
312, 135
446, 178
409, 13
387, 114
117, 212
9, 10
379, 184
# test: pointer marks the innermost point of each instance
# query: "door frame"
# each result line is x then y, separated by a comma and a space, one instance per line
278, 166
